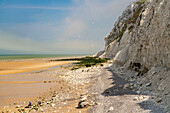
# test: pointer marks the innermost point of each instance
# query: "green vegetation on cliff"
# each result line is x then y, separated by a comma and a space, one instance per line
140, 1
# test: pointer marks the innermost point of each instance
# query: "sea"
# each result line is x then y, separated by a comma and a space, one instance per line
37, 56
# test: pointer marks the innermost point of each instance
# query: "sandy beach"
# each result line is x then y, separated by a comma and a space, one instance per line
94, 89
24, 80
59, 89
19, 66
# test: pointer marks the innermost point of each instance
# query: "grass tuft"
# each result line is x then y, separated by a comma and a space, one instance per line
140, 2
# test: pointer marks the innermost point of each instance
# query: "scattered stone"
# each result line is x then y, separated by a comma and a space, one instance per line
149, 84
36, 108
127, 86
41, 109
138, 92
22, 110
48, 102
136, 98
17, 106
52, 105
19, 110
131, 84
107, 92
158, 99
82, 104
83, 99
140, 98
39, 103
95, 93
111, 108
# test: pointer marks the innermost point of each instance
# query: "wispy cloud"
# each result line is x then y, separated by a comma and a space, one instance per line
13, 42
81, 30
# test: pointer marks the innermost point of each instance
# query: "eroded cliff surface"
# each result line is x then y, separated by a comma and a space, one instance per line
140, 42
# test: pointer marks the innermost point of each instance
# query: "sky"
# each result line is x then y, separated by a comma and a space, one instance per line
57, 26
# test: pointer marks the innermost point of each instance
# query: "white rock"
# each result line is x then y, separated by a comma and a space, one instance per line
41, 109
138, 92
52, 105
83, 99
111, 108
126, 86
136, 98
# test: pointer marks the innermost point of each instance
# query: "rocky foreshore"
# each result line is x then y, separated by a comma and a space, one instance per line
95, 89
69, 94
139, 46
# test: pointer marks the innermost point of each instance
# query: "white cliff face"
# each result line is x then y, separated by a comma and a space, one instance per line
147, 38
119, 32
140, 41
151, 37
128, 13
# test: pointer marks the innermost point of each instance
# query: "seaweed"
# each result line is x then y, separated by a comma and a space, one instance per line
84, 62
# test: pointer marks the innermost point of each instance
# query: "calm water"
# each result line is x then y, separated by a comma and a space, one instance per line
10, 57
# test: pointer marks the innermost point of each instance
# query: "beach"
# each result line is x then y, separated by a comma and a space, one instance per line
19, 66
25, 80
68, 89
58, 88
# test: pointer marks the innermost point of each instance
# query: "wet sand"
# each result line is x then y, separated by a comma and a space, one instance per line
11, 67
59, 89
16, 85
42, 85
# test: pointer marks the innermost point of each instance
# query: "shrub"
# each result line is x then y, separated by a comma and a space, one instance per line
141, 2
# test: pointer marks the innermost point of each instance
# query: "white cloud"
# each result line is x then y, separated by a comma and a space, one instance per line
82, 30
13, 42
75, 28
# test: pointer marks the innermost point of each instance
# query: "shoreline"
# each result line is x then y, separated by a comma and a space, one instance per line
59, 89
87, 89
27, 65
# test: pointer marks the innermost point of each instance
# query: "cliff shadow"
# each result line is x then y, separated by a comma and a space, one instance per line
120, 88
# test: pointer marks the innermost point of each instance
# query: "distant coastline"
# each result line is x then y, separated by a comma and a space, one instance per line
4, 57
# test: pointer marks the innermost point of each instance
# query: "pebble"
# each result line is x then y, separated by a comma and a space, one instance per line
17, 106
83, 99
148, 84
138, 92
82, 104
48, 102
41, 109
136, 98
111, 108
158, 99
139, 98
126, 86
52, 105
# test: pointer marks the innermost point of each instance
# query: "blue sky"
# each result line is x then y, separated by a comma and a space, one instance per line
57, 26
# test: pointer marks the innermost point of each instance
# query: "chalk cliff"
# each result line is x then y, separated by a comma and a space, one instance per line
140, 42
